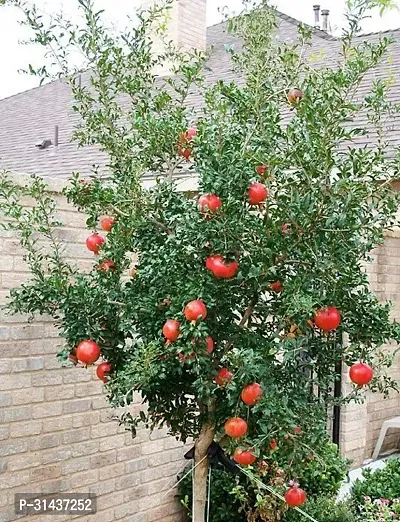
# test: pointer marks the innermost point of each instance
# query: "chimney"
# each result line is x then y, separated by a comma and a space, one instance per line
186, 26
325, 16
316, 16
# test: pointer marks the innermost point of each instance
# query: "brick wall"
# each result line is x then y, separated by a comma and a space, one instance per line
361, 423
186, 27
56, 432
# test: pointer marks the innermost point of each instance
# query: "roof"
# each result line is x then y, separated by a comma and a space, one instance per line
31, 116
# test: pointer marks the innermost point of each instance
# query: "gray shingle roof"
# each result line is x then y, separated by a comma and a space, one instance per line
31, 116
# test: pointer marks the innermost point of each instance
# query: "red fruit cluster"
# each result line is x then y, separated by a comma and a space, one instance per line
295, 497
107, 223
87, 352
251, 393
184, 140
361, 373
103, 371
276, 287
224, 376
195, 310
244, 457
106, 266
327, 319
94, 242
257, 193
236, 427
221, 268
209, 203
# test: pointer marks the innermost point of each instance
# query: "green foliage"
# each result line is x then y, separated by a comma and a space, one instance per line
237, 498
330, 203
377, 484
325, 473
225, 506
323, 509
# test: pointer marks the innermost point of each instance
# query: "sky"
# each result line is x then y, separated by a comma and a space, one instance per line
14, 56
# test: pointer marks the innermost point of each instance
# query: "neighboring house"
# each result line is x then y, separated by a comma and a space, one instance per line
34, 115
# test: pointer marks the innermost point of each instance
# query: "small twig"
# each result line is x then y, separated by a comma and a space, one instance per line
161, 225
246, 316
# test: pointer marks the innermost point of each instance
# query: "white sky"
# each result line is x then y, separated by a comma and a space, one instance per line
14, 56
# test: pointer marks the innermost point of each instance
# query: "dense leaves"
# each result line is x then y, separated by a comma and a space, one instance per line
263, 249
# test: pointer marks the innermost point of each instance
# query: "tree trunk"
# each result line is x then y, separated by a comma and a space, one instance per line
200, 473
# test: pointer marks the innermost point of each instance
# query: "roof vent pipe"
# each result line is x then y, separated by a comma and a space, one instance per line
325, 17
316, 16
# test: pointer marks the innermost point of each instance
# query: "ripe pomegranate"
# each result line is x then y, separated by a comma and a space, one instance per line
107, 223
191, 133
209, 344
221, 268
87, 352
262, 169
361, 373
276, 287
224, 376
103, 371
94, 242
297, 430
107, 266
273, 444
327, 319
171, 330
257, 193
209, 202
236, 427
186, 153
295, 95
195, 310
251, 393
285, 229
244, 457
295, 497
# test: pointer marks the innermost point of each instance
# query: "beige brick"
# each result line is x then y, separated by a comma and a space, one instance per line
103, 487
126, 509
27, 365
56, 486
133, 466
45, 442
15, 349
24, 461
13, 480
5, 366
77, 405
115, 499
46, 410
76, 435
45, 473
57, 424
86, 448
103, 459
104, 429
127, 481
100, 403
136, 493
75, 465
111, 443
17, 413
86, 419
129, 453
84, 479
57, 454
48, 378
14, 382
55, 392
5, 399
25, 429
23, 396
4, 432
89, 388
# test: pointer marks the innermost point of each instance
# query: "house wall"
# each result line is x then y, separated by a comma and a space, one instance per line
56, 431
361, 423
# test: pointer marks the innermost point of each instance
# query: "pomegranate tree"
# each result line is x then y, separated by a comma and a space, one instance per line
233, 313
